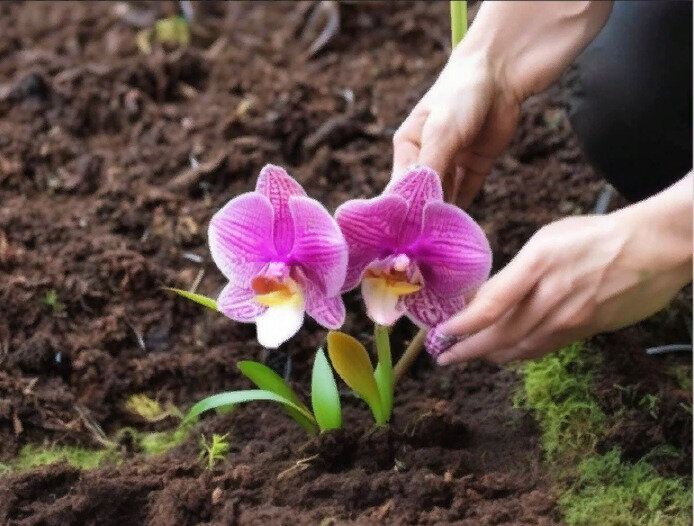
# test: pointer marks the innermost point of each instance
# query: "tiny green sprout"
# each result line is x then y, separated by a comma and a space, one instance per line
651, 404
173, 32
51, 301
214, 451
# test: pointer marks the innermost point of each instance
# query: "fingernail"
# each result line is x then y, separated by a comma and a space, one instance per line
438, 341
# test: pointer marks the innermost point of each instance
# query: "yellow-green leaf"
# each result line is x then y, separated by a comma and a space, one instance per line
197, 298
352, 363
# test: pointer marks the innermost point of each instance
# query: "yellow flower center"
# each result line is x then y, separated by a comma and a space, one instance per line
393, 281
274, 293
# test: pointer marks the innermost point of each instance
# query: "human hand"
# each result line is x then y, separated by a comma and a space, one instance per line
468, 117
465, 120
578, 277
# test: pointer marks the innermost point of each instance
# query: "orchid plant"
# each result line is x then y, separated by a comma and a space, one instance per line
284, 256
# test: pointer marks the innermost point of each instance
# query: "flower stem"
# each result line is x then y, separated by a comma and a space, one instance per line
458, 21
410, 355
384, 369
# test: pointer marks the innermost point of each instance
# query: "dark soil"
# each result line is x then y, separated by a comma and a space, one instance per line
101, 205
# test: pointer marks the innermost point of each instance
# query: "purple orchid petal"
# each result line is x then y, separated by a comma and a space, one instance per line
238, 303
428, 309
328, 312
371, 228
278, 186
452, 252
319, 246
240, 237
421, 185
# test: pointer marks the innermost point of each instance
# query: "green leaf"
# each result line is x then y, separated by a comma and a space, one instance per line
239, 397
384, 370
352, 363
197, 298
267, 379
324, 396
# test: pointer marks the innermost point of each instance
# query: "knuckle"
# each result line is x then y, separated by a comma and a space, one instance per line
399, 137
438, 123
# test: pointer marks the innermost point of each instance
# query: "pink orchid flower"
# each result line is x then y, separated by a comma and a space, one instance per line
412, 253
283, 255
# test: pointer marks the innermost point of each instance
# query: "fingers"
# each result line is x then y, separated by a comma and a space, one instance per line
407, 141
440, 142
496, 297
469, 187
511, 329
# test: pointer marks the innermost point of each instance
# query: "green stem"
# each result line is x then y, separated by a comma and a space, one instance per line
384, 369
410, 355
458, 21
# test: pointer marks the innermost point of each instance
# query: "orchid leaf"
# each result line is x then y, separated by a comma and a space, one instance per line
197, 298
239, 397
324, 396
352, 363
268, 380
384, 370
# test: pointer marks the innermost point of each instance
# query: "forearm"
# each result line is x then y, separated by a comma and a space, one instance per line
664, 224
529, 44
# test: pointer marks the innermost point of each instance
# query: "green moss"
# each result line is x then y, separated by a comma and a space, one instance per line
597, 489
158, 442
683, 375
609, 492
32, 456
557, 389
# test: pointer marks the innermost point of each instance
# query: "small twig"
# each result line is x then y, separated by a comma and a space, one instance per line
187, 10
328, 10
196, 282
138, 336
190, 256
300, 465
95, 428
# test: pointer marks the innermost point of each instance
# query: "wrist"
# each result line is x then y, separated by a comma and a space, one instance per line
482, 52
660, 230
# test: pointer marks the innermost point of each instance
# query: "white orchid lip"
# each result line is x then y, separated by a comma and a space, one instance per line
385, 283
285, 303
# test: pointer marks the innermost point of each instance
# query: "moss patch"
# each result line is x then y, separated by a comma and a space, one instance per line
557, 389
32, 456
597, 489
610, 492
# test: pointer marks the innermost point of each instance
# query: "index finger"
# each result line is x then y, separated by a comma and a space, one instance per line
496, 297
407, 141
